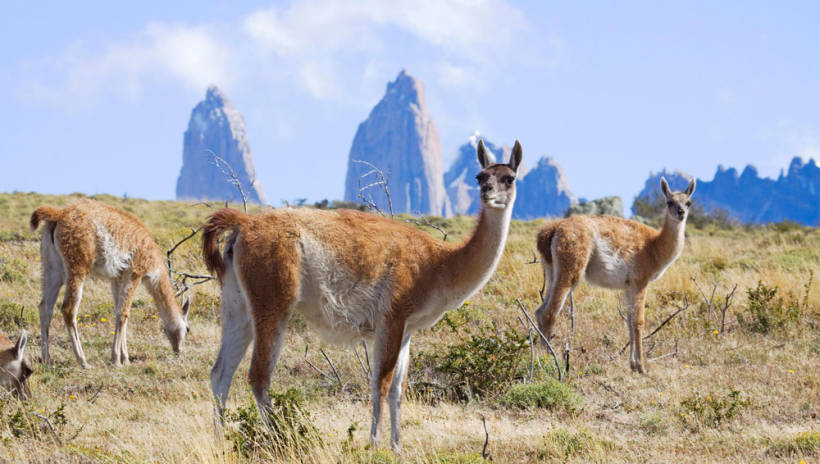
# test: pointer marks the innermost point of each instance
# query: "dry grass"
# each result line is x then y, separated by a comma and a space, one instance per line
159, 407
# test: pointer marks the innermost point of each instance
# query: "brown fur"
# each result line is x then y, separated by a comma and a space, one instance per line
83, 236
614, 253
14, 371
267, 252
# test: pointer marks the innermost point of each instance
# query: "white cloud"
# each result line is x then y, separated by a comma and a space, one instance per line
789, 139
191, 56
317, 46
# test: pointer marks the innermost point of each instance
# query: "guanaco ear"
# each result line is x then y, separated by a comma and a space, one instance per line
20, 347
516, 156
483, 157
691, 188
186, 305
665, 188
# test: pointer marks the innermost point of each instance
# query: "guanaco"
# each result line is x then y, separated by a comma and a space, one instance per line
352, 276
92, 238
15, 366
613, 253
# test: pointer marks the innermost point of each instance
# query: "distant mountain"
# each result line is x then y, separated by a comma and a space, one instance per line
216, 128
459, 180
794, 196
543, 191
401, 140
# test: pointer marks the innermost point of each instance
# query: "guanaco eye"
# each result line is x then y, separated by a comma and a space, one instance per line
670, 203
508, 180
481, 178
688, 203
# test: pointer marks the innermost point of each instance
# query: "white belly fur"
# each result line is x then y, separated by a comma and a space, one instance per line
606, 268
335, 302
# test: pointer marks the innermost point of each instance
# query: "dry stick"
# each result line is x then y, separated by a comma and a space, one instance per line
382, 180
484, 453
423, 221
51, 428
620, 311
532, 349
231, 177
567, 345
183, 286
672, 353
671, 316
335, 372
710, 301
366, 356
364, 369
314, 367
726, 308
549, 346
96, 394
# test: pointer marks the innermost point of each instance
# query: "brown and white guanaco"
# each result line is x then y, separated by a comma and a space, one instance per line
351, 275
15, 366
92, 238
613, 253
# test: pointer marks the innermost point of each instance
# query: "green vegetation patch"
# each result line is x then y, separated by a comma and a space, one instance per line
549, 394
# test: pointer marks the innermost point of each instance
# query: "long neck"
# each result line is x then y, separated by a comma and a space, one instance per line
669, 242
471, 264
163, 293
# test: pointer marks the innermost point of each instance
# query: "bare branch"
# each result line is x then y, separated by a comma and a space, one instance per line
226, 169
365, 370
423, 221
381, 181
181, 286
332, 367
51, 428
314, 367
666, 321
546, 341
726, 308
484, 453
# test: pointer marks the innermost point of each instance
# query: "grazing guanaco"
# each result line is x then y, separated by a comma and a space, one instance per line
15, 367
92, 238
613, 253
351, 275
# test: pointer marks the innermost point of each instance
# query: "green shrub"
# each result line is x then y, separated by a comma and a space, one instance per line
13, 316
562, 444
767, 311
803, 444
291, 432
486, 362
550, 394
711, 410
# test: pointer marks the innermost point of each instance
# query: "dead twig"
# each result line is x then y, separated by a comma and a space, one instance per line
546, 341
484, 453
725, 308
534, 260
332, 367
672, 353
662, 324
182, 285
365, 370
231, 176
96, 394
323, 373
51, 428
381, 181
422, 221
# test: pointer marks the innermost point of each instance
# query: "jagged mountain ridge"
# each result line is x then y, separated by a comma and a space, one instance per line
216, 128
749, 198
399, 138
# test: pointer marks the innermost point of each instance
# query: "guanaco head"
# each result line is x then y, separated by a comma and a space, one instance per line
15, 367
176, 330
678, 203
497, 181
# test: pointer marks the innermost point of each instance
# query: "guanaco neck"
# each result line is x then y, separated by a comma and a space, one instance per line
469, 265
668, 244
162, 291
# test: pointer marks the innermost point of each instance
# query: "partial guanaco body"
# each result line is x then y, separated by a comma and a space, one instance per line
351, 275
92, 238
613, 253
15, 366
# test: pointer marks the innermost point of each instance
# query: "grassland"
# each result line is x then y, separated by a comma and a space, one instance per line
748, 394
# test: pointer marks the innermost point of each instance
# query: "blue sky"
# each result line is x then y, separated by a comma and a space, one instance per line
95, 96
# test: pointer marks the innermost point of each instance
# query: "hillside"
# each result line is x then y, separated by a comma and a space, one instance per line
159, 408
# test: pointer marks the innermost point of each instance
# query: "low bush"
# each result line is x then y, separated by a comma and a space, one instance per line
291, 432
549, 394
711, 410
803, 444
